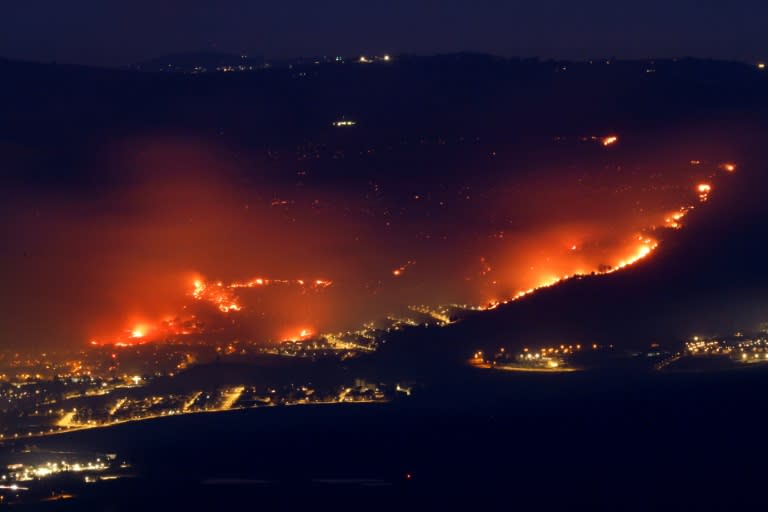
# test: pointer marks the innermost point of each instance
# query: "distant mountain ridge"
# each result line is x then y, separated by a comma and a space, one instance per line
708, 278
200, 61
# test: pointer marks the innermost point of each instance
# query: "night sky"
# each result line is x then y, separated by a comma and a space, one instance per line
118, 33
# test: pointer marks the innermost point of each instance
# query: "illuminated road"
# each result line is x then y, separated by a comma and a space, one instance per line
66, 420
529, 369
535, 370
68, 425
191, 401
668, 361
231, 397
117, 406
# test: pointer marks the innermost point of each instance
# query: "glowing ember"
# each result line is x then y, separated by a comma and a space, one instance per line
401, 269
673, 219
704, 189
485, 266
259, 281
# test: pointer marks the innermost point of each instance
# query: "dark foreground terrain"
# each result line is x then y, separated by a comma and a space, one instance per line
592, 440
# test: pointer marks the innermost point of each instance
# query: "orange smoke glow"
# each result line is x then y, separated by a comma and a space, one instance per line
643, 248
333, 257
299, 334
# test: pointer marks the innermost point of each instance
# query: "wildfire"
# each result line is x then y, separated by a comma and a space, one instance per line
222, 295
260, 281
609, 140
646, 245
644, 250
218, 294
199, 288
224, 298
302, 334
703, 189
137, 335
574, 253
673, 219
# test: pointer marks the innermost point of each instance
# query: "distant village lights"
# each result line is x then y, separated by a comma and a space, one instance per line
363, 59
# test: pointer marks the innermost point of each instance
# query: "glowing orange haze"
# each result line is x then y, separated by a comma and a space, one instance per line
190, 241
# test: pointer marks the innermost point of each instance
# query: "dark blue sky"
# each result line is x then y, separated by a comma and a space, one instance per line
124, 31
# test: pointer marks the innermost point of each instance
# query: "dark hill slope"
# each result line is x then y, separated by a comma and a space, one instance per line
707, 278
710, 276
